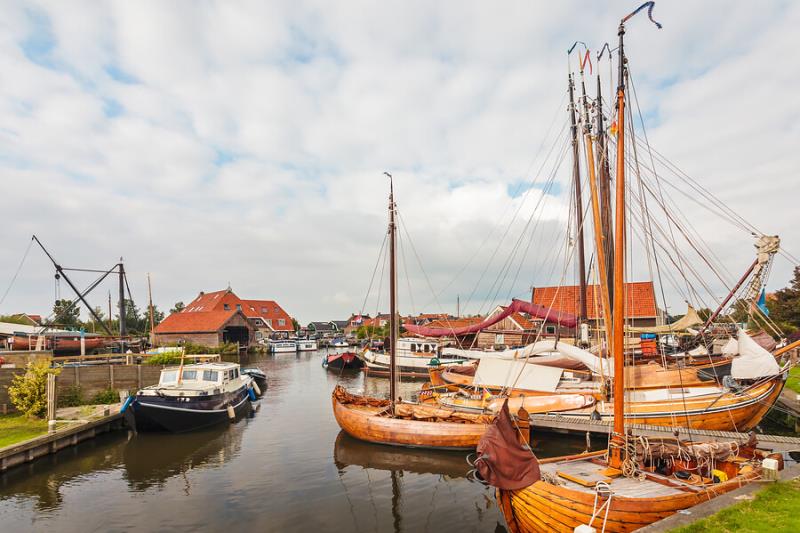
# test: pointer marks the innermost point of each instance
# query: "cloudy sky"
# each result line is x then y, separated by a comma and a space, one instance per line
244, 142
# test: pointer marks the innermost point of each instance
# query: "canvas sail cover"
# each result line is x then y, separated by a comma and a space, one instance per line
591, 361
548, 314
753, 361
502, 461
517, 374
689, 320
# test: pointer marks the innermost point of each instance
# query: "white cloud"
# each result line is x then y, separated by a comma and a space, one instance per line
244, 142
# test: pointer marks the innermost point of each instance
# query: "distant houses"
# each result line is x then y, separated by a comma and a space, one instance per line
220, 317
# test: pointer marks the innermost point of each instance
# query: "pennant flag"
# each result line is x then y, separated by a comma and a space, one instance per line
762, 302
613, 129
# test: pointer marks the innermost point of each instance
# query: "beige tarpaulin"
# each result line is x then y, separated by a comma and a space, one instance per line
690, 319
518, 374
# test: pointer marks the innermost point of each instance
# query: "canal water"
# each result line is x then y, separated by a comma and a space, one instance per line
286, 468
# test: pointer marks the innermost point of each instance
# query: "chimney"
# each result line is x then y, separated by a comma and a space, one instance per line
533, 294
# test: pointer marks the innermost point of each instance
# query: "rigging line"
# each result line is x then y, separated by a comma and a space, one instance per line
530, 184
510, 224
19, 268
503, 273
405, 270
374, 271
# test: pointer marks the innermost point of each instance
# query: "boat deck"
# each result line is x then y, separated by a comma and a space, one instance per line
589, 473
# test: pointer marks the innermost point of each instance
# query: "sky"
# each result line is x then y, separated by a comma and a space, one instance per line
244, 143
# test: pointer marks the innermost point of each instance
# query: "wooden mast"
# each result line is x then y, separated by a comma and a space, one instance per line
576, 175
596, 215
392, 297
618, 322
605, 193
152, 318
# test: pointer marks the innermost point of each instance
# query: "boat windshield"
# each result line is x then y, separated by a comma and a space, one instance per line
210, 375
169, 376
189, 374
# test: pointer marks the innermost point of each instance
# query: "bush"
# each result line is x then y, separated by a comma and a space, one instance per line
28, 391
105, 397
166, 358
71, 396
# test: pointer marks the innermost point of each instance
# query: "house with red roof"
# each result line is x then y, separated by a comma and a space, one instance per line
215, 310
514, 330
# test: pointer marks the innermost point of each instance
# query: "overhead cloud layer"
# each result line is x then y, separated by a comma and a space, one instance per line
244, 142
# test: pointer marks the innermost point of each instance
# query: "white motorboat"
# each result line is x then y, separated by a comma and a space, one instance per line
283, 346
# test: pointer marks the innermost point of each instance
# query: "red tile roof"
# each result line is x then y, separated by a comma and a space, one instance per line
267, 310
453, 323
640, 299
195, 322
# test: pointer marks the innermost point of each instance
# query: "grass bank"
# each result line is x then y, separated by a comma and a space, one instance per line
775, 508
793, 382
17, 428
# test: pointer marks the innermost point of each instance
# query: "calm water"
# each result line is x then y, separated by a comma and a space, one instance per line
287, 468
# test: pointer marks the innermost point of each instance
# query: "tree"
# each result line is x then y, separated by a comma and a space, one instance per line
295, 325
784, 308
66, 314
179, 306
28, 391
135, 322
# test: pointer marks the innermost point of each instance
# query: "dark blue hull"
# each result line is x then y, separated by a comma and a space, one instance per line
163, 413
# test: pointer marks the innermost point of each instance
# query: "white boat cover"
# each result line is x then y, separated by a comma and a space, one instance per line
753, 361
591, 361
517, 374
731, 348
690, 319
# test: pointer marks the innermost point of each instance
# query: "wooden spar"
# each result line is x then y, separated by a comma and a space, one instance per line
597, 223
605, 193
392, 297
618, 323
727, 299
152, 318
576, 175
781, 351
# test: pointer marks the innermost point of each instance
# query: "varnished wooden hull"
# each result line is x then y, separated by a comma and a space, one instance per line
363, 422
546, 507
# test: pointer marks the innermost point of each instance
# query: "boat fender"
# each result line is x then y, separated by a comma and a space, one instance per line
231, 412
252, 394
434, 362
596, 415
255, 386
126, 404
718, 476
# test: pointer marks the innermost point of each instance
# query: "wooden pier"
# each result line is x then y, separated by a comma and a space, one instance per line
581, 426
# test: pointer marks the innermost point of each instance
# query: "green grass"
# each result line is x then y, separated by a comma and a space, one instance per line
776, 508
17, 428
793, 382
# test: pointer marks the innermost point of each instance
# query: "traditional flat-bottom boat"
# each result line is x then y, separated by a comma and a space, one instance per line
205, 394
342, 361
61, 344
413, 425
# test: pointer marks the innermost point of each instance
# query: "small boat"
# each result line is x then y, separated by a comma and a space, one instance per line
414, 357
259, 379
282, 346
307, 345
191, 397
342, 360
67, 343
339, 342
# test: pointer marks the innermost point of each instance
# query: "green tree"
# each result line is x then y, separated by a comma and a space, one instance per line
135, 321
177, 308
784, 308
28, 391
66, 314
295, 325
14, 319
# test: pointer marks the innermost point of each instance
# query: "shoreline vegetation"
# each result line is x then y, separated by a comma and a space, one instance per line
774, 508
17, 427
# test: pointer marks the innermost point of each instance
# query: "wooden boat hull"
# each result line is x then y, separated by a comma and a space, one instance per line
62, 345
364, 423
543, 506
344, 360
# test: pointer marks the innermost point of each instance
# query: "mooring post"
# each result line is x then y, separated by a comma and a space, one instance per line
51, 402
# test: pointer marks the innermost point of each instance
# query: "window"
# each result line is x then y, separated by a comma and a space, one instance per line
226, 307
413, 347
236, 372
238, 307
426, 348
210, 375
252, 308
281, 322
550, 330
190, 374
264, 310
499, 338
170, 376
276, 309
269, 322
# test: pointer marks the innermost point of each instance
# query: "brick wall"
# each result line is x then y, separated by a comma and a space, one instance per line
92, 379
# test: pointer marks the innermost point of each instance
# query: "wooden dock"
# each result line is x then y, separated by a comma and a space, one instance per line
32, 449
581, 426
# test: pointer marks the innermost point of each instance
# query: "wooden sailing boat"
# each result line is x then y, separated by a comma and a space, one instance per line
636, 482
394, 421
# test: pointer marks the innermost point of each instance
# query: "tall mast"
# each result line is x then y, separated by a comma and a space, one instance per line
123, 327
599, 242
576, 175
152, 317
618, 322
392, 296
605, 194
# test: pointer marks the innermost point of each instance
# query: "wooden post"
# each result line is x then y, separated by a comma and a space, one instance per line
138, 376
51, 400
111, 375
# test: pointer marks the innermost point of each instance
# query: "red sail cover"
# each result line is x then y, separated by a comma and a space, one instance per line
517, 306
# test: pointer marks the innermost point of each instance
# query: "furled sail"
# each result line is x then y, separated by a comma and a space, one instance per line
753, 361
547, 314
591, 361
689, 320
